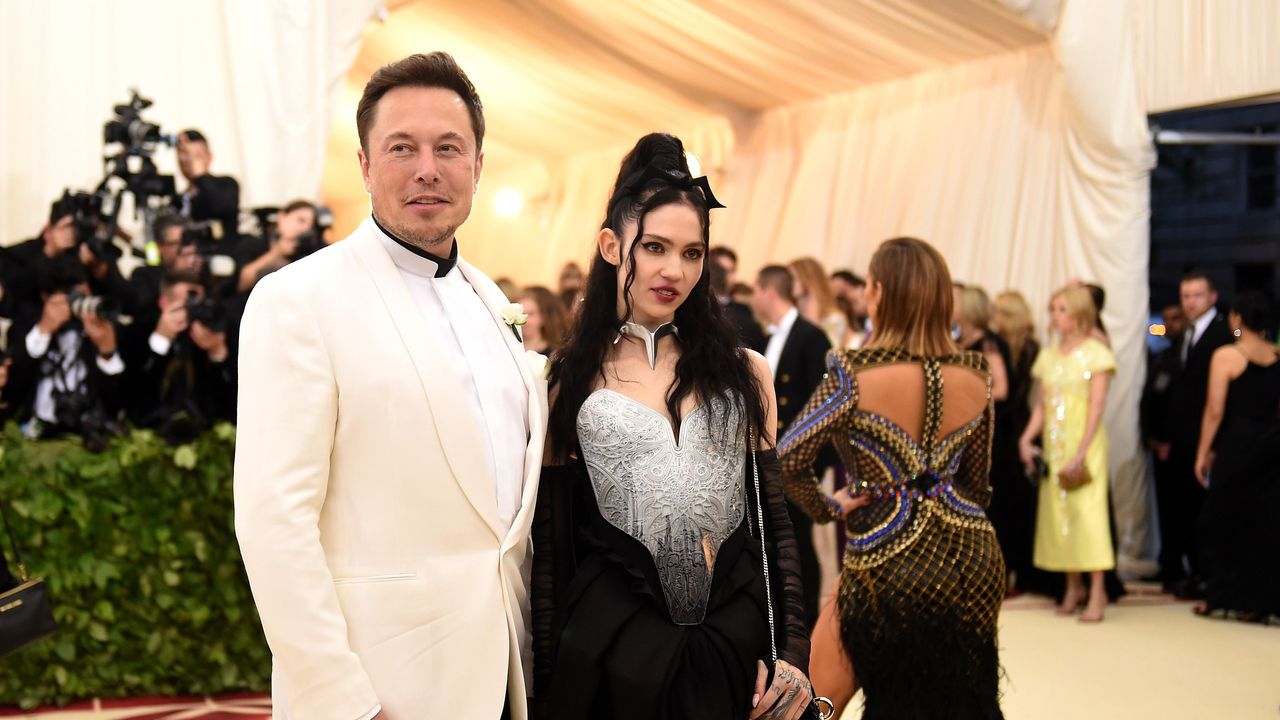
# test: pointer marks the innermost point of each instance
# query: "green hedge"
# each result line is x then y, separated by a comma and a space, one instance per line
138, 547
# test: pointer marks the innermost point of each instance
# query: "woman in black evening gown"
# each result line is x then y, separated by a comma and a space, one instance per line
1237, 461
649, 588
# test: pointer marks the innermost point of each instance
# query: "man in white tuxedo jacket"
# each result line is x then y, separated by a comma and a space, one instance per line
390, 437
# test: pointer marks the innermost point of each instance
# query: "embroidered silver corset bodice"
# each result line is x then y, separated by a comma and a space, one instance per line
681, 501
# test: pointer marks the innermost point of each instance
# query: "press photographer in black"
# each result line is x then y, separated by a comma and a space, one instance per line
182, 374
293, 235
74, 230
67, 372
207, 196
177, 255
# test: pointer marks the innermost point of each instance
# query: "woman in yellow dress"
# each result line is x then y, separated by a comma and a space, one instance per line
1073, 533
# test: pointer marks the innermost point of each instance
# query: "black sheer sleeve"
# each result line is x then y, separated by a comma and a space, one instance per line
553, 563
784, 566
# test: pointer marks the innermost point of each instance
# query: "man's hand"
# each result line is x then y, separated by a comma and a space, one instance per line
101, 332
214, 344
56, 313
193, 158
1161, 450
173, 322
4, 372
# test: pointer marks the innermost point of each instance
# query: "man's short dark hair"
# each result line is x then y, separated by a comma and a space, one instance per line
194, 135
164, 221
433, 70
849, 277
779, 278
297, 205
720, 251
177, 277
1198, 274
62, 207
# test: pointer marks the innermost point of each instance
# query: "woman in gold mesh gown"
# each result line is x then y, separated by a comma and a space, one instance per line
923, 577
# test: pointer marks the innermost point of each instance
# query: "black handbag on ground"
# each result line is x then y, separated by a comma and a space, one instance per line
25, 613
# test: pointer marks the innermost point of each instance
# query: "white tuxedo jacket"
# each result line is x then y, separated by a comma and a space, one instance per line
367, 519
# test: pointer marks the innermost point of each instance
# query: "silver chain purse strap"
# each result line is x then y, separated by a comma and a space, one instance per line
816, 706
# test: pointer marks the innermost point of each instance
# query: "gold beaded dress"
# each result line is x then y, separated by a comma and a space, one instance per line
922, 578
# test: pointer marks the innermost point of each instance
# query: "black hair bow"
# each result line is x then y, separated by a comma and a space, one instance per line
637, 181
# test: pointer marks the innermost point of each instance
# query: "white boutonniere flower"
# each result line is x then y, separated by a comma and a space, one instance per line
513, 315
538, 364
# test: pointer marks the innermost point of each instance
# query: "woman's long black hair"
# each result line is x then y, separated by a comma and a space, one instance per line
653, 174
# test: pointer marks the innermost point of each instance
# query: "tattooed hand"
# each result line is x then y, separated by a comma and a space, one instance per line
786, 698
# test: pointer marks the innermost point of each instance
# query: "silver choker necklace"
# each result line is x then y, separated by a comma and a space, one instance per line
650, 338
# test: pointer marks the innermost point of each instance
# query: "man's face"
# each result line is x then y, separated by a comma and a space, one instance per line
1197, 298
1175, 323
193, 157
174, 256
62, 234
761, 299
421, 165
293, 224
730, 268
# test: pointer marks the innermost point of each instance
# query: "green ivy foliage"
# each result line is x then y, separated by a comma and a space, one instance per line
138, 547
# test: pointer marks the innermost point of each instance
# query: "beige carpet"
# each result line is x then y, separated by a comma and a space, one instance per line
1150, 658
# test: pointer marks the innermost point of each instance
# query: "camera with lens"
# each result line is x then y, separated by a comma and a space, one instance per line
313, 239
208, 312
75, 411
138, 140
129, 129
90, 223
103, 307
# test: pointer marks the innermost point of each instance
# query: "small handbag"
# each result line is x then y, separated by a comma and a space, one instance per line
25, 613
1068, 480
820, 708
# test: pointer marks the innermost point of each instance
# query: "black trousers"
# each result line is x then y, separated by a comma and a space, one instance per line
1179, 499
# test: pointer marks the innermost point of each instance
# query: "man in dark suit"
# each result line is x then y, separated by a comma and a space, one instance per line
208, 196
181, 374
1180, 496
796, 351
750, 334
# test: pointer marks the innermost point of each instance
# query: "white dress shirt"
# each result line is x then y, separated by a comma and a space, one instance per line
1196, 331
778, 335
471, 340
72, 372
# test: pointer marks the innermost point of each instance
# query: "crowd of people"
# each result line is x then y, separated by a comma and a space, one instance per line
89, 350
647, 514
1056, 536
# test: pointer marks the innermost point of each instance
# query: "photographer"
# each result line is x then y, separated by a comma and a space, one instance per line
72, 231
176, 256
294, 235
208, 196
66, 368
182, 376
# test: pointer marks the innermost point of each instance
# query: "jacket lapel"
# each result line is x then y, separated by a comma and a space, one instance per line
495, 301
460, 435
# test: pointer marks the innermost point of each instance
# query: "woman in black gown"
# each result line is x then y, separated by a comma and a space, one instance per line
1236, 460
649, 584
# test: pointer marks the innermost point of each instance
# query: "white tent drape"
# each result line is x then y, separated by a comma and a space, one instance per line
258, 77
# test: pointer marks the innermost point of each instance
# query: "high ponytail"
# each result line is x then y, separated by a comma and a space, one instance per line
653, 174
